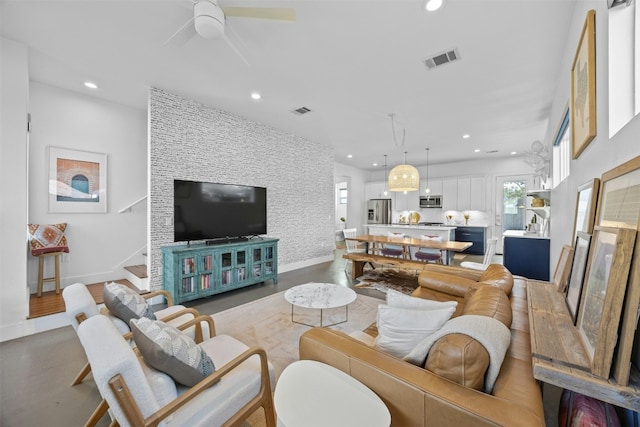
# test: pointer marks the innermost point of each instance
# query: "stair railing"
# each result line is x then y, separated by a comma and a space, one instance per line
131, 205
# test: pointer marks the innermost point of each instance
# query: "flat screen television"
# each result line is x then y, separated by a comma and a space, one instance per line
210, 211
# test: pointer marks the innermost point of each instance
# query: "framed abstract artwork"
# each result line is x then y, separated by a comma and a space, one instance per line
583, 88
576, 277
603, 293
77, 181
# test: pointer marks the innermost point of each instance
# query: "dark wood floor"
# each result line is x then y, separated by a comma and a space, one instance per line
50, 303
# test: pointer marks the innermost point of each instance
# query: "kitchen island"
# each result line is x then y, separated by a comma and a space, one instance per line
447, 232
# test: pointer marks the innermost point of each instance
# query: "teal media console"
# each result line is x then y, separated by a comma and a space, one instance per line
195, 271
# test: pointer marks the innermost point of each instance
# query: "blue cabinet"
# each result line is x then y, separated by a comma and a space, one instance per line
475, 235
527, 256
196, 271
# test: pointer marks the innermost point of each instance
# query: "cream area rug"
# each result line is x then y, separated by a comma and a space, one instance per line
267, 323
405, 281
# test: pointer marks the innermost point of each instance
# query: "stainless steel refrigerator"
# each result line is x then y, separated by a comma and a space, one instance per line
379, 211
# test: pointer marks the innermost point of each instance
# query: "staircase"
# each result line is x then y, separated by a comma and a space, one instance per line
137, 275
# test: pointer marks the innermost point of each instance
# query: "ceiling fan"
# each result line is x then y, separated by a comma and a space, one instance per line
209, 21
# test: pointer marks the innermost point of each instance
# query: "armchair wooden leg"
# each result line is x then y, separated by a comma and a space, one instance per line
83, 373
97, 415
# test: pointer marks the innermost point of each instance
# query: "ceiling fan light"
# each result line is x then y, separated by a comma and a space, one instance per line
208, 20
433, 5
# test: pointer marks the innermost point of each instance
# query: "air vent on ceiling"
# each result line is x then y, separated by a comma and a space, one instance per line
302, 110
492, 151
441, 58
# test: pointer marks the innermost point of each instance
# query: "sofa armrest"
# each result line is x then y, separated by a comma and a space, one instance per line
415, 396
467, 273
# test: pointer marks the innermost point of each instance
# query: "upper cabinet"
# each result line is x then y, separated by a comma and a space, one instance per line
375, 190
462, 194
450, 194
478, 197
435, 187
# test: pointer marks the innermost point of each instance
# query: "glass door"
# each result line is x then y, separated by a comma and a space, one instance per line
511, 201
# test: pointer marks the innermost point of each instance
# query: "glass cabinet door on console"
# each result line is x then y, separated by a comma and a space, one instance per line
233, 267
195, 271
263, 258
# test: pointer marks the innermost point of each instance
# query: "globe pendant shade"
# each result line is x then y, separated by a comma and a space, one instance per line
404, 178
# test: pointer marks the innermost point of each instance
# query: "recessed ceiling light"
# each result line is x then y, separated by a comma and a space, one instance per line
91, 85
477, 150
256, 96
349, 156
466, 136
432, 5
375, 164
513, 153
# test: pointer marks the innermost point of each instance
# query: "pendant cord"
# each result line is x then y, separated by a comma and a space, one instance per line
393, 130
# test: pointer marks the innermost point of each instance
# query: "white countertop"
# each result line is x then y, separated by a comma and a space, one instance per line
522, 233
413, 226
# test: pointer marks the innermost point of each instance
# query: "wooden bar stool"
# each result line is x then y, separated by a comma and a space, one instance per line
55, 277
48, 240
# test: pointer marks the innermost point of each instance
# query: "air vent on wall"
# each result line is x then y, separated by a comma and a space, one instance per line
441, 58
302, 110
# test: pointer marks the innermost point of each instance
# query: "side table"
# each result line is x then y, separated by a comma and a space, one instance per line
314, 394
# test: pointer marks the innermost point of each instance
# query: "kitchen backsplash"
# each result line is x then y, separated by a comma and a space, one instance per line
479, 218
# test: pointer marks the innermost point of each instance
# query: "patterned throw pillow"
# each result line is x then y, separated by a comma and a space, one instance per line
45, 238
168, 350
125, 303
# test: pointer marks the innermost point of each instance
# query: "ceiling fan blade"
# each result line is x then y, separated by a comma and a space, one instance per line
275, 13
233, 46
183, 35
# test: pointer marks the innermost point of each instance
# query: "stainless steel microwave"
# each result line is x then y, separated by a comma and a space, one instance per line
430, 201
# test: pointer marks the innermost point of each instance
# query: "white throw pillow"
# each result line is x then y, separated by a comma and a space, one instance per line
398, 299
401, 329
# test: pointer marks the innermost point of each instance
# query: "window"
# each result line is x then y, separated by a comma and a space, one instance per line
562, 151
342, 196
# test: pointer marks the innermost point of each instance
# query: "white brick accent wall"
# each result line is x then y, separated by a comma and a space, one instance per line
192, 141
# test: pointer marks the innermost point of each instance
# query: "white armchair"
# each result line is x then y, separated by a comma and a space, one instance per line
490, 251
80, 306
139, 395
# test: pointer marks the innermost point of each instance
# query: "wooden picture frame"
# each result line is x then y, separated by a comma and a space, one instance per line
586, 204
77, 181
583, 89
619, 204
603, 294
576, 277
563, 268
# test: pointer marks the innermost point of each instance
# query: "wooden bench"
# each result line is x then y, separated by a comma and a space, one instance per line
358, 261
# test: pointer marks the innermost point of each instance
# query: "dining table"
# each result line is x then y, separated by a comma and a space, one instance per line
375, 242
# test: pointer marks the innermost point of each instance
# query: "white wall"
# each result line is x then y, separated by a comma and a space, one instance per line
14, 86
356, 215
603, 153
100, 243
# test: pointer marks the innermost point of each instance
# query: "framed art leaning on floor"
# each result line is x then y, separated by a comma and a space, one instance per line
603, 294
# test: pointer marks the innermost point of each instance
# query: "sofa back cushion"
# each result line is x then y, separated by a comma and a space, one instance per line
461, 358
498, 275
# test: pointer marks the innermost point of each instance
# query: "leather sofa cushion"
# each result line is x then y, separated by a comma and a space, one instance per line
498, 275
461, 358
445, 283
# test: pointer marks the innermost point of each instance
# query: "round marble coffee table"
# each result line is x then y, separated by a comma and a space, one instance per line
313, 394
320, 296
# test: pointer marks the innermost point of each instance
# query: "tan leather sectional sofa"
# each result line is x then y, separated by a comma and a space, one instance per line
447, 390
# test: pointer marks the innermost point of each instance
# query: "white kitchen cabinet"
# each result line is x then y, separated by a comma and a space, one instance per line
375, 190
450, 194
435, 185
478, 197
464, 194
406, 202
